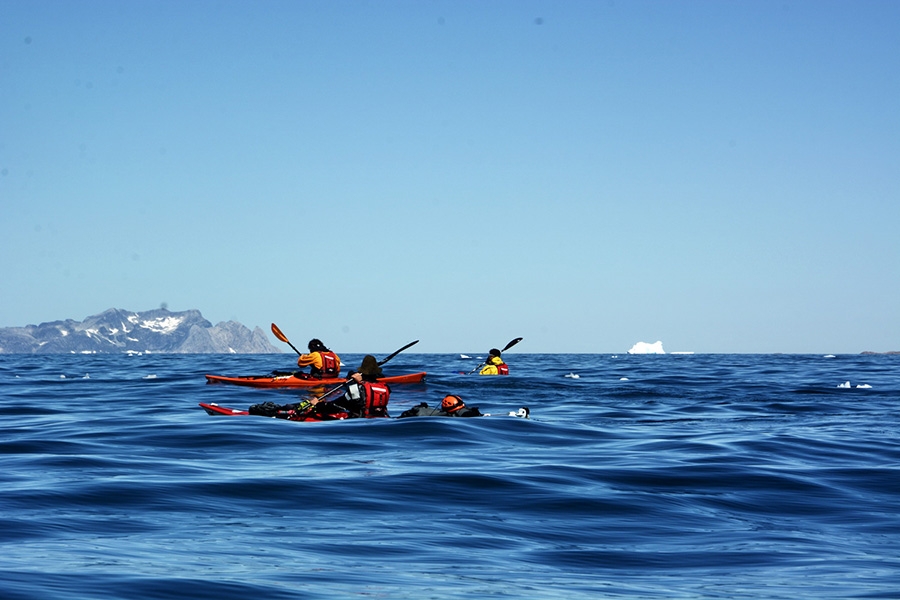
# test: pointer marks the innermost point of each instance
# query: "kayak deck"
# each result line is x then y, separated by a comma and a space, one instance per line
212, 408
291, 381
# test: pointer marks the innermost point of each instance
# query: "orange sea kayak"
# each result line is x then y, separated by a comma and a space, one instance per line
290, 381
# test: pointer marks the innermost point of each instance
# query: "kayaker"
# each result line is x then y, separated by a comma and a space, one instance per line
322, 362
451, 406
365, 397
494, 364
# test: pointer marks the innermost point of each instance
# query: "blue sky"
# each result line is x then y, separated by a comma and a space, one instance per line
721, 176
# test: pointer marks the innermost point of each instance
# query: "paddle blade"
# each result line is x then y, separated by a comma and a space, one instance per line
390, 356
277, 333
511, 344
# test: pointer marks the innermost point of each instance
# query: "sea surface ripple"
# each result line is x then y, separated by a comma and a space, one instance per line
637, 476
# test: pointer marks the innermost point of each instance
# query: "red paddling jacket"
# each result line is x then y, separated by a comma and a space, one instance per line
368, 400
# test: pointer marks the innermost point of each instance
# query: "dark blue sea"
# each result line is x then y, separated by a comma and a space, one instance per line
646, 476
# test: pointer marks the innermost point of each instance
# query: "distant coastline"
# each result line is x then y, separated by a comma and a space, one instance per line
118, 331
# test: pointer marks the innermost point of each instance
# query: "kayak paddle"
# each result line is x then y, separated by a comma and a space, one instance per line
277, 333
390, 356
381, 362
505, 348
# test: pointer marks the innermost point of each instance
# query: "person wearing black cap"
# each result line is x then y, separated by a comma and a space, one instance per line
451, 406
366, 397
494, 364
321, 361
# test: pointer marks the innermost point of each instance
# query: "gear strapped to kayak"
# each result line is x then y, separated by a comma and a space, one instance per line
288, 412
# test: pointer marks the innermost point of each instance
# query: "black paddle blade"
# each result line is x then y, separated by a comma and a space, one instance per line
511, 344
390, 356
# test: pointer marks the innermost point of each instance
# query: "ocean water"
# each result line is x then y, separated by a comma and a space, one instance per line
675, 476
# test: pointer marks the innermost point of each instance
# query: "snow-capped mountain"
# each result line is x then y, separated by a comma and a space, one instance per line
121, 331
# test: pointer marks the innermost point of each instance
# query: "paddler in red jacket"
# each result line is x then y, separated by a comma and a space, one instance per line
366, 397
323, 363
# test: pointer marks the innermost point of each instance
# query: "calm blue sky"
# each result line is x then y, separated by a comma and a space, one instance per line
721, 176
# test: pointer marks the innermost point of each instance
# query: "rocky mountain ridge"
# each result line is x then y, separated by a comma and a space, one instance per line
117, 331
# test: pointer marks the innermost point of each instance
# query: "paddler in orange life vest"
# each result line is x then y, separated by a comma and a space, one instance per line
365, 397
494, 365
322, 362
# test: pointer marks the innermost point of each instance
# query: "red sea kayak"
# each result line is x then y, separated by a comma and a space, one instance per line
290, 381
214, 409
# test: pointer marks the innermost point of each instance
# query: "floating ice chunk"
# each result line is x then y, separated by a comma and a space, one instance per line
828, 356
573, 376
464, 356
647, 348
623, 379
87, 376
861, 386
150, 377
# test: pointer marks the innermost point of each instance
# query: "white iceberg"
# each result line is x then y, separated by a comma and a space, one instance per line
645, 348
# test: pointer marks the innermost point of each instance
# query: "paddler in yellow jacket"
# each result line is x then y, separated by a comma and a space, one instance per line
322, 362
494, 364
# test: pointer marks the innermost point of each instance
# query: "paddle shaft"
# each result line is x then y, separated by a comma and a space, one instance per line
389, 357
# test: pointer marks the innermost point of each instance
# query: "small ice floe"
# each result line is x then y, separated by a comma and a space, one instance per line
149, 377
464, 356
829, 356
87, 376
521, 413
623, 379
62, 376
862, 386
573, 376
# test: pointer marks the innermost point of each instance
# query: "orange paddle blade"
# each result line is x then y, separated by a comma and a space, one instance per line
278, 334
